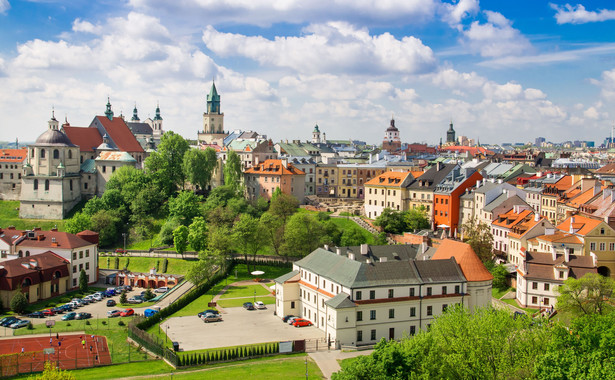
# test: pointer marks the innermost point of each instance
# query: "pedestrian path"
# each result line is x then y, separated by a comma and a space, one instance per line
328, 363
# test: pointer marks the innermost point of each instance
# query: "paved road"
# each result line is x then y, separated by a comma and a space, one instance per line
328, 360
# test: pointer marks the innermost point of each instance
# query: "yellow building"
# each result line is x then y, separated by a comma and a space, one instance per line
388, 190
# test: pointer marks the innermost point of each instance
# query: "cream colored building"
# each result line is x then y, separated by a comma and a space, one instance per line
388, 190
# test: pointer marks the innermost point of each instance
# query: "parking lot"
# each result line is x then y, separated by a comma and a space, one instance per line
238, 327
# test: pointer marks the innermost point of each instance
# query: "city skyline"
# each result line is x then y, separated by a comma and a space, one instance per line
501, 72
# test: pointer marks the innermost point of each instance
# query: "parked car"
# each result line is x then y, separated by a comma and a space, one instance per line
110, 292
67, 307
127, 313
20, 323
287, 317
248, 306
259, 305
97, 296
36, 314
75, 304
208, 311
49, 312
70, 316
149, 312
83, 315
162, 289
211, 317
85, 301
111, 303
135, 299
120, 250
113, 313
7, 321
58, 310
300, 322
291, 319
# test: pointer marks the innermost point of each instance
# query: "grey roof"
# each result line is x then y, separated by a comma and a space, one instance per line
340, 301
486, 186
285, 277
496, 202
53, 137
439, 270
467, 195
432, 177
140, 128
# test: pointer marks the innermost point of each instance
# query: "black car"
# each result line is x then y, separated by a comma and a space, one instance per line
208, 311
7, 321
111, 303
286, 318
248, 306
58, 310
36, 314
83, 316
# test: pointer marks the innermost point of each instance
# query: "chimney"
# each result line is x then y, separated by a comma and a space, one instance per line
423, 247
338, 251
351, 256
566, 255
438, 166
364, 249
368, 261
326, 246
594, 259
536, 217
383, 259
500, 181
553, 253
571, 230
477, 183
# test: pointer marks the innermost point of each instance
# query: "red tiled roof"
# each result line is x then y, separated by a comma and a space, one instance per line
393, 179
87, 139
120, 134
13, 155
470, 149
274, 167
471, 266
43, 239
582, 224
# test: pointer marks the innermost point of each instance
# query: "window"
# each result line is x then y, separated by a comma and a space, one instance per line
372, 335
444, 307
545, 301
546, 286
429, 310
444, 290
42, 153
391, 313
391, 292
412, 330
87, 253
359, 316
603, 246
359, 336
372, 314
56, 154
372, 294
611, 246
292, 304
74, 269
429, 290
592, 246
71, 185
80, 267
413, 311
46, 185
104, 169
561, 274
358, 295
74, 255
411, 292
87, 266
534, 300
457, 290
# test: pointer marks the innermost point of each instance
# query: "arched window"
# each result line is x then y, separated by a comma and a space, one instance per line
27, 253
20, 254
46, 185
32, 152
42, 153
26, 282
57, 274
36, 184
56, 154
70, 154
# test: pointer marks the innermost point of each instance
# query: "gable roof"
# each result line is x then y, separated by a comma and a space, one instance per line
86, 138
42, 239
391, 179
432, 177
581, 225
140, 128
13, 155
471, 266
274, 167
120, 134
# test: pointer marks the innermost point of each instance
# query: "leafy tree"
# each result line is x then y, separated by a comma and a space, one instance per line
148, 295
197, 234
199, 166
283, 206
381, 239
478, 235
302, 235
499, 273
590, 294
331, 233
416, 219
93, 205
392, 222
107, 224
219, 196
248, 236
232, 171
220, 239
147, 201
129, 181
166, 231
123, 298
79, 222
221, 216
165, 166
19, 303
273, 228
52, 372
83, 281
353, 236
185, 206
180, 239
207, 265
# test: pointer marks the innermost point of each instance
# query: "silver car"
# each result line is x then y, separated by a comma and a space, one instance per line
209, 317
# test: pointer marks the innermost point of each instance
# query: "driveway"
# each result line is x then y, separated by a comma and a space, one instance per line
238, 327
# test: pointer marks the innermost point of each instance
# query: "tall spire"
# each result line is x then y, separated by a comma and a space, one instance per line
213, 100
53, 123
109, 111
157, 117
135, 116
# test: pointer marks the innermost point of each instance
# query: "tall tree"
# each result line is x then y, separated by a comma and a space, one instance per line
480, 238
165, 166
273, 228
590, 294
78, 223
199, 166
283, 206
83, 281
108, 226
185, 206
416, 219
352, 236
302, 235
198, 234
232, 171
19, 303
206, 266
248, 236
180, 239
391, 221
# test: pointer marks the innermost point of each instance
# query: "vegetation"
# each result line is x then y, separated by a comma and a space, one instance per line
478, 235
9, 215
590, 294
499, 273
83, 281
52, 372
19, 303
396, 222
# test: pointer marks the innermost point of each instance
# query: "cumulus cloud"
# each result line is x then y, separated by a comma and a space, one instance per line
454, 13
86, 27
452, 79
607, 84
496, 37
4, 6
571, 14
336, 47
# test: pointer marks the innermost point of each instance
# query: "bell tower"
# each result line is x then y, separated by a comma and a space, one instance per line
213, 120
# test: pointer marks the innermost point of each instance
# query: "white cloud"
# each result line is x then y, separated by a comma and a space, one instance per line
4, 6
607, 84
86, 27
336, 47
507, 91
605, 49
452, 79
496, 37
569, 14
454, 13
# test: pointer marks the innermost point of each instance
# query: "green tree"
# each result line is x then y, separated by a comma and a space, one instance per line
273, 228
180, 239
147, 201
19, 303
107, 224
79, 222
302, 235
219, 197
165, 236
198, 234
283, 206
185, 206
232, 171
248, 236
52, 372
352, 236
199, 166
123, 298
148, 295
381, 239
590, 294
416, 219
83, 281
220, 240
392, 222
499, 273
129, 181
116, 263
93, 205
480, 238
165, 166
205, 267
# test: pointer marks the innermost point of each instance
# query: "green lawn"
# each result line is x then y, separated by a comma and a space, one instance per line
513, 302
347, 224
245, 291
9, 216
238, 302
144, 264
497, 293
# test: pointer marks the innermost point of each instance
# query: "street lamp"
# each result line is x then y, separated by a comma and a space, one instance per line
254, 295
124, 235
166, 337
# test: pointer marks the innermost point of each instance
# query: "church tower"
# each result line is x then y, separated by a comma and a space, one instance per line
316, 135
213, 120
450, 135
391, 142
157, 124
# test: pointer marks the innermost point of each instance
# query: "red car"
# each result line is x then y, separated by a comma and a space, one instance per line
300, 322
127, 313
48, 312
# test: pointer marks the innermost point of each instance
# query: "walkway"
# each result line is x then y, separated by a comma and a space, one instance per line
328, 360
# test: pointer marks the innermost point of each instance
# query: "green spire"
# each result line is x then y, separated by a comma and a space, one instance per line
135, 117
316, 128
213, 100
157, 117
109, 112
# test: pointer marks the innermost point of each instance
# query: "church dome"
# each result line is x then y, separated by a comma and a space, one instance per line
392, 127
53, 137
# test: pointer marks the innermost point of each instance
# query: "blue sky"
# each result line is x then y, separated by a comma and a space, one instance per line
503, 71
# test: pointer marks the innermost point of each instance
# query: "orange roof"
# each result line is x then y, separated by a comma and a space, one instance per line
416, 174
393, 179
42, 239
564, 183
582, 225
471, 266
13, 155
512, 218
580, 199
87, 139
274, 167
120, 134
525, 227
559, 237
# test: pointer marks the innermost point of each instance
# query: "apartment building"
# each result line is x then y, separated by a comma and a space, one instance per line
421, 192
388, 190
265, 178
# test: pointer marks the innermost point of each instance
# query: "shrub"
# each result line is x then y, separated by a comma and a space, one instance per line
165, 264
157, 266
121, 323
117, 263
19, 303
30, 327
123, 298
68, 324
127, 263
104, 322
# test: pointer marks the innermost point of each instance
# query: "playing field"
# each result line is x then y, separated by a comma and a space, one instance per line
70, 351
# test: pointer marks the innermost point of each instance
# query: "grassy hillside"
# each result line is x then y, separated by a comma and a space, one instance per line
9, 216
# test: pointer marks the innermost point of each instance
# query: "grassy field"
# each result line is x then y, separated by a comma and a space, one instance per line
9, 216
144, 264
347, 224
245, 291
514, 303
497, 293
238, 302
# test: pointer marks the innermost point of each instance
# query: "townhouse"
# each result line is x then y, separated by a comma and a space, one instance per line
265, 178
447, 198
388, 190
422, 191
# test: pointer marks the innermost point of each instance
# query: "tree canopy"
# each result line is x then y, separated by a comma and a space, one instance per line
590, 294
232, 171
396, 222
480, 238
165, 166
199, 166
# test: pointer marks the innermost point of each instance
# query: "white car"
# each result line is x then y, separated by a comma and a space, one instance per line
162, 289
97, 297
259, 305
